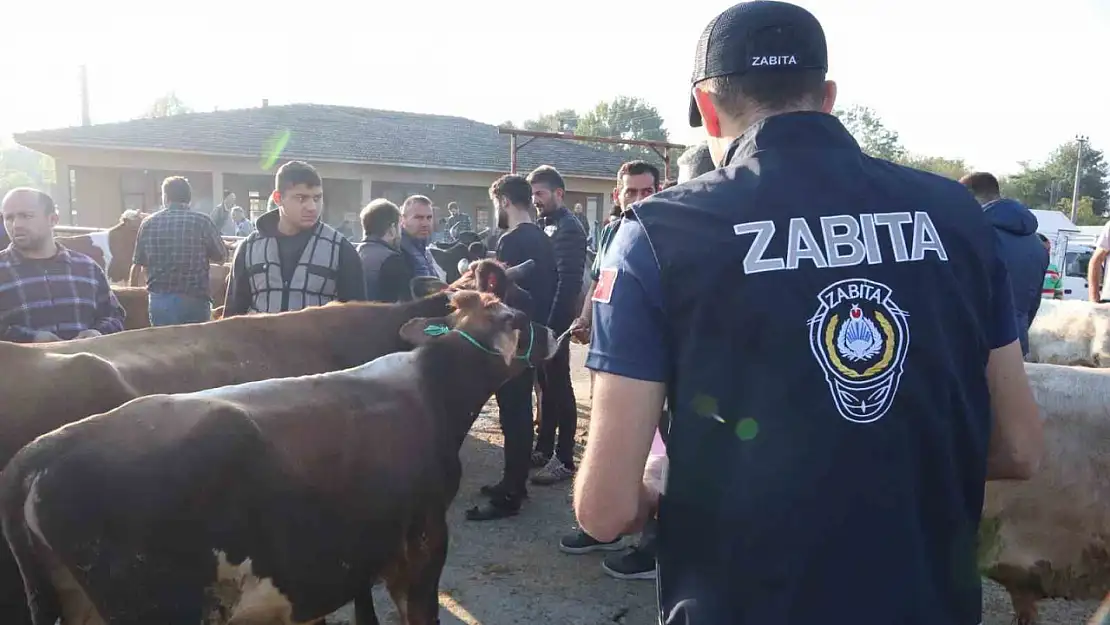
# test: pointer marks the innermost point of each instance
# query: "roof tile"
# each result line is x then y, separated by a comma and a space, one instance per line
338, 133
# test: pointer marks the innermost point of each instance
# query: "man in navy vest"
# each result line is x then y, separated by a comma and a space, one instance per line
832, 333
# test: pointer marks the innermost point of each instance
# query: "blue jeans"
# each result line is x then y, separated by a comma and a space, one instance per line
171, 309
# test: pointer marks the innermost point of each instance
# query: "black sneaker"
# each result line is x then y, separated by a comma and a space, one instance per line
580, 542
634, 564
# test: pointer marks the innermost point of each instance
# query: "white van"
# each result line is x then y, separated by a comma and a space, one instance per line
1074, 278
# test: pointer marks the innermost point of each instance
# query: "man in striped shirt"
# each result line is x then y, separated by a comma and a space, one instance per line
47, 292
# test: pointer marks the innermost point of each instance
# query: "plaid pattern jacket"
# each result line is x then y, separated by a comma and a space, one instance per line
175, 246
65, 294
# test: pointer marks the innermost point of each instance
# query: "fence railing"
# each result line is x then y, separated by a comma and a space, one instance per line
77, 230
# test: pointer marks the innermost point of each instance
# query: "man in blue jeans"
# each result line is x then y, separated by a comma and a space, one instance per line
174, 248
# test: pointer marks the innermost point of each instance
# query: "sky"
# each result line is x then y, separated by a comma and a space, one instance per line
992, 81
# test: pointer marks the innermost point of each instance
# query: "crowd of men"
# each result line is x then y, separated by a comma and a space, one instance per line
829, 344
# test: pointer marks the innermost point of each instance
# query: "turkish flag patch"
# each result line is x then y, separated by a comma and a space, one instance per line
606, 280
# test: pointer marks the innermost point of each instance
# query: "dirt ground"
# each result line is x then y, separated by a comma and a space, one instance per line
510, 571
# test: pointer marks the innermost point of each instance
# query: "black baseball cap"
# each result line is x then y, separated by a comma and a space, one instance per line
758, 36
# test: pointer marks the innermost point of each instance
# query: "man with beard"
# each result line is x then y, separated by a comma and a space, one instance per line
294, 260
560, 412
523, 241
49, 293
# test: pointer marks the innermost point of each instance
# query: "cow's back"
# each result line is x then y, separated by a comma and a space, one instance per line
1071, 332
1048, 529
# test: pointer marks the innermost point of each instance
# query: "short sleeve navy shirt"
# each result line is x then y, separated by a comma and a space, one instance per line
821, 321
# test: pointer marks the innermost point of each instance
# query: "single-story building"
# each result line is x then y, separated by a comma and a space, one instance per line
362, 154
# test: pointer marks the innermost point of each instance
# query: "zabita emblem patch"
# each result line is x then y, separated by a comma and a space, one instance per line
859, 336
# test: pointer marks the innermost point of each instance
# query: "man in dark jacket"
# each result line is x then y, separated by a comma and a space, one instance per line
560, 413
385, 269
523, 241
1025, 256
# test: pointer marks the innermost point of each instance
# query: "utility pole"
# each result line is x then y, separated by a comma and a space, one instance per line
1080, 141
85, 121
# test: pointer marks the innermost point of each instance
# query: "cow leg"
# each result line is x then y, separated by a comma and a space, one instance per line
415, 589
364, 607
1025, 607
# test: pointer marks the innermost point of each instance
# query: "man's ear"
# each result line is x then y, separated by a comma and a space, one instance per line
277, 197
423, 286
711, 120
420, 330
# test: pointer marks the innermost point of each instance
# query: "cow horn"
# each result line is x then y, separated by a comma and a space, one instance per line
517, 272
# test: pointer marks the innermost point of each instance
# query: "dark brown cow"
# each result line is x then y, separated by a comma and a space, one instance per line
113, 248
273, 502
48, 385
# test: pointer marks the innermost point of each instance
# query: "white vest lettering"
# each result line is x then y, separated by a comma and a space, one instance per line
846, 241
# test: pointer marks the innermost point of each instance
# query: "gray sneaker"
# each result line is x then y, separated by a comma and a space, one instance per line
580, 542
553, 473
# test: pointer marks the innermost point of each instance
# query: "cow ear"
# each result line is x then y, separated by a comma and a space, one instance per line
419, 330
423, 286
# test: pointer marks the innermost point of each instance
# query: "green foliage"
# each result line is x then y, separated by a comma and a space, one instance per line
22, 167
1085, 215
871, 133
562, 120
954, 168
167, 105
622, 118
1045, 184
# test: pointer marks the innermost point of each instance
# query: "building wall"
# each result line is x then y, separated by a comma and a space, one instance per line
108, 181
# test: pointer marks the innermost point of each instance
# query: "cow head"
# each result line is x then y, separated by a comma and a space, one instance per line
486, 276
489, 325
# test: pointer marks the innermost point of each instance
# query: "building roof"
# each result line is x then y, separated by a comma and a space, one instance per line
336, 134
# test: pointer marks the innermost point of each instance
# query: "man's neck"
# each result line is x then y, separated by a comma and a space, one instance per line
46, 250
287, 229
519, 216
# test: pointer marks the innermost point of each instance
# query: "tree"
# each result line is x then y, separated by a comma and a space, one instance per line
11, 178
562, 120
1085, 215
623, 117
167, 105
872, 135
1044, 184
507, 124
954, 168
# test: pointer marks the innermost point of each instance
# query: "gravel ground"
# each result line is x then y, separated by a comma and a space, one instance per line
511, 572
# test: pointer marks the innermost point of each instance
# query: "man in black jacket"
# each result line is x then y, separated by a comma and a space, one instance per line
523, 241
560, 413
385, 268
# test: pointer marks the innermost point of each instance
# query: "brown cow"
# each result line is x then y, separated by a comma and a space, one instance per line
272, 502
113, 248
136, 304
51, 384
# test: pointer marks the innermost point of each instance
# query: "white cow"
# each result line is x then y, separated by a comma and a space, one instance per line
1071, 332
1049, 537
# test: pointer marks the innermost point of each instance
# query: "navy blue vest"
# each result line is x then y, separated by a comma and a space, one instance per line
830, 417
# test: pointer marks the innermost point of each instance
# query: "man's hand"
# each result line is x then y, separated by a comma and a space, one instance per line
88, 334
580, 330
42, 336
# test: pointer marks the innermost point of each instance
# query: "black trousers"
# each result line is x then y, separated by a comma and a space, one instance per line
559, 411
514, 404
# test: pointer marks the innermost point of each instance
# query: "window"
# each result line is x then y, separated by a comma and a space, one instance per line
1075, 264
